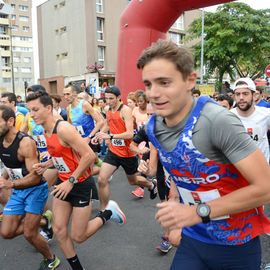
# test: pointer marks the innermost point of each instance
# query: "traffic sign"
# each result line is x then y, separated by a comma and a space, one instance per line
267, 70
93, 90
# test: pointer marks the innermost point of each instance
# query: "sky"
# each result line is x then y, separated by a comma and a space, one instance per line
258, 4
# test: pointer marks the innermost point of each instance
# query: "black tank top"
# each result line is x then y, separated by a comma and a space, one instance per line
9, 156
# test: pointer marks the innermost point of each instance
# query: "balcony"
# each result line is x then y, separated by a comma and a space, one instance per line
4, 21
4, 40
5, 53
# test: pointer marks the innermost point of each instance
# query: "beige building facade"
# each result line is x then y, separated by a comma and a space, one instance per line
78, 41
16, 47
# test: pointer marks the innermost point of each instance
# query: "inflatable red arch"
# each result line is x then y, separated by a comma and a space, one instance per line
142, 23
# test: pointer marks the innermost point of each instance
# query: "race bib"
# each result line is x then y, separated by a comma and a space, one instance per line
40, 141
60, 165
14, 174
255, 133
118, 142
195, 197
80, 130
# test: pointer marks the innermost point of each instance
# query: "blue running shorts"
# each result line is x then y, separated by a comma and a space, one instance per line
31, 200
196, 255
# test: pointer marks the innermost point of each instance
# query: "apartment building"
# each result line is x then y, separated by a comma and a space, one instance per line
78, 41
16, 47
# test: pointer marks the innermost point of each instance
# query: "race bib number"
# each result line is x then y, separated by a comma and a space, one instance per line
255, 133
40, 141
60, 165
80, 130
14, 174
195, 197
118, 142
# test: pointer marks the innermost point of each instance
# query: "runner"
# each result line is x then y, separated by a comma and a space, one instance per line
74, 191
220, 174
120, 127
84, 118
22, 213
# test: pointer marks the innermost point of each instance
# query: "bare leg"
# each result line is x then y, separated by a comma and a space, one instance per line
51, 177
105, 173
81, 227
138, 180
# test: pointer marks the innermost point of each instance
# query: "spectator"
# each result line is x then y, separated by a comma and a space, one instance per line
56, 105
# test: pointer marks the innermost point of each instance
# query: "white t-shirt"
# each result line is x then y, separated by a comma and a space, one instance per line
257, 125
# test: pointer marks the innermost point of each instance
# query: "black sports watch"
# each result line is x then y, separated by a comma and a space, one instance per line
72, 180
203, 210
111, 136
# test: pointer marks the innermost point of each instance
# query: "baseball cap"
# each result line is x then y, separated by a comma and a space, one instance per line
249, 84
113, 89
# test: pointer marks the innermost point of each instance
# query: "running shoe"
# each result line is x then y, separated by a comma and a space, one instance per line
117, 215
49, 264
267, 266
153, 191
164, 245
47, 231
138, 192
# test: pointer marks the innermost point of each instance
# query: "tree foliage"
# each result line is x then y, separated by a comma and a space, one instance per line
237, 38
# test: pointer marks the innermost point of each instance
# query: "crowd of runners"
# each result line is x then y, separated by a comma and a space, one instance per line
205, 157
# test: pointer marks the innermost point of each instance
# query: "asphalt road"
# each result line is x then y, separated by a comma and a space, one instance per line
130, 247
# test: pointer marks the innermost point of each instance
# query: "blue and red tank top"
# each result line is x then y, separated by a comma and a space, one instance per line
117, 125
199, 179
65, 159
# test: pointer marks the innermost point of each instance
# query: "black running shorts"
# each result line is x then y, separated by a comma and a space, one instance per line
129, 164
82, 193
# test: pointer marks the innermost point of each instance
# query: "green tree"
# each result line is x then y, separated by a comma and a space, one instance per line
237, 38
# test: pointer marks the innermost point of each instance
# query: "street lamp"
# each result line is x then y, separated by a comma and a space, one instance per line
202, 45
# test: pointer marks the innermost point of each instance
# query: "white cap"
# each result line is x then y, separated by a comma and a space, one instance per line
248, 83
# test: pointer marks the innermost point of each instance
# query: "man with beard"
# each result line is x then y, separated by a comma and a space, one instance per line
18, 152
255, 119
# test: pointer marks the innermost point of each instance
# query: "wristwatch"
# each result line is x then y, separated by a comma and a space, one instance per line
203, 210
72, 180
111, 136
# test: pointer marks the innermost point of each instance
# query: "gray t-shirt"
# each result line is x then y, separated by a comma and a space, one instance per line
218, 134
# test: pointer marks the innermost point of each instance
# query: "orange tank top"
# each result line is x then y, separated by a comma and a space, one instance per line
116, 124
64, 158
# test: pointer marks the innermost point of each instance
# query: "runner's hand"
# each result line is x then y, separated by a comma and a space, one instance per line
144, 166
174, 215
45, 155
61, 191
39, 168
4, 183
175, 237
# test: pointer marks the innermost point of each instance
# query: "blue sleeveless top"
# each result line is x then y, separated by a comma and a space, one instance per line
199, 179
84, 123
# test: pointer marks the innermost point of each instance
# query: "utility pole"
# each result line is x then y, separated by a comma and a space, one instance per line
202, 45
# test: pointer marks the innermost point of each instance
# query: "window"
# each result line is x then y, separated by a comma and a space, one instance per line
6, 80
26, 28
179, 23
15, 27
13, 6
4, 61
26, 70
62, 4
63, 29
23, 18
3, 30
21, 49
16, 59
101, 55
64, 55
16, 69
23, 8
20, 38
99, 6
4, 48
13, 17
100, 23
177, 38
27, 80
27, 59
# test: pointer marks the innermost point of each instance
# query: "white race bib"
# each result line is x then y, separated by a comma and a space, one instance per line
14, 174
80, 130
196, 197
118, 142
40, 141
60, 165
